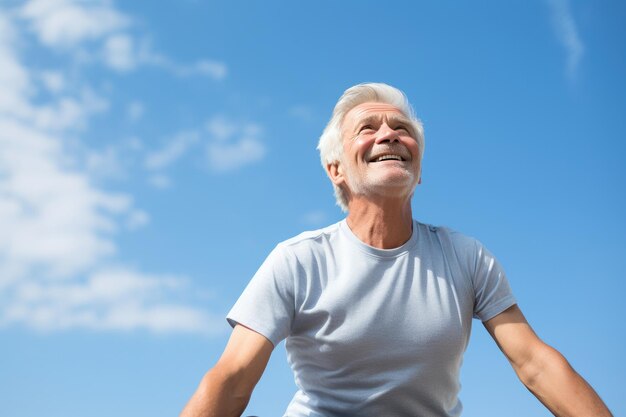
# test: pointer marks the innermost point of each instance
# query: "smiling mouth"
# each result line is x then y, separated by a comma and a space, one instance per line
382, 158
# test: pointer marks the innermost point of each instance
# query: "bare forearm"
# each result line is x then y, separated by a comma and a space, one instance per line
216, 396
562, 390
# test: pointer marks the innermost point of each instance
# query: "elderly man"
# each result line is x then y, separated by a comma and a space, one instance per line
376, 310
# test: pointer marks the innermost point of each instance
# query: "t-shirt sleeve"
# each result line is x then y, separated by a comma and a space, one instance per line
267, 304
492, 292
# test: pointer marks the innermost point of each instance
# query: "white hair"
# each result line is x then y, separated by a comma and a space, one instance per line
331, 141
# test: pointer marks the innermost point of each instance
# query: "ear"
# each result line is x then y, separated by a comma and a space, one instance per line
335, 173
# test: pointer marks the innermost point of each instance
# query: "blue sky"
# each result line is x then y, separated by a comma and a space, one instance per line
153, 153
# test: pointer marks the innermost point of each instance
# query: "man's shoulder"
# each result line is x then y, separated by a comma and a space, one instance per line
460, 241
311, 237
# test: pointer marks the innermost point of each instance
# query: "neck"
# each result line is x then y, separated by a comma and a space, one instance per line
383, 224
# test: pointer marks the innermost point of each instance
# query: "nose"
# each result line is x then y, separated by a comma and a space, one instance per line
386, 134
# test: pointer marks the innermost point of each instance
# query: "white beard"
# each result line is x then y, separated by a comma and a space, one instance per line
368, 186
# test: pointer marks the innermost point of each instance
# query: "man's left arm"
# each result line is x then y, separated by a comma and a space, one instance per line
542, 369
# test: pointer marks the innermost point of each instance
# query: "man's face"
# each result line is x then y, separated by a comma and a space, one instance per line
380, 153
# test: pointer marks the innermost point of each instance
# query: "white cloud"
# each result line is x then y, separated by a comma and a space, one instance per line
213, 69
175, 149
58, 224
567, 33
54, 81
229, 146
67, 23
228, 157
221, 128
233, 145
137, 219
105, 164
54, 217
115, 298
119, 53
67, 112
114, 161
18, 89
15, 80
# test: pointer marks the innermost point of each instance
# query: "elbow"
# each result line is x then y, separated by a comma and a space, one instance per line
543, 362
231, 384
217, 395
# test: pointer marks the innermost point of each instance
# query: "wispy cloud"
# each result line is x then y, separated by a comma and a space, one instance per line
70, 25
53, 81
58, 267
229, 145
136, 219
109, 299
230, 156
160, 181
68, 112
121, 52
211, 68
567, 33
232, 146
174, 149
112, 161
67, 23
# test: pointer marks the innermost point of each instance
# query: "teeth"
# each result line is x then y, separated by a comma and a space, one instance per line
388, 157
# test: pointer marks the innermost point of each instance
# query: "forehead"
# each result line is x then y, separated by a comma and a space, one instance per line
371, 110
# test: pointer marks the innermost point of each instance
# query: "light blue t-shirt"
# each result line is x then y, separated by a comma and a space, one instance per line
374, 332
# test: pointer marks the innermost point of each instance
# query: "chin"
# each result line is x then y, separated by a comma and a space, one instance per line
396, 180
394, 183
395, 186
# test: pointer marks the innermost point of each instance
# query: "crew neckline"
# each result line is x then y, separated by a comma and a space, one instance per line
377, 252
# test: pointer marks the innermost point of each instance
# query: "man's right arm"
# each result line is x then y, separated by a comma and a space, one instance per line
226, 389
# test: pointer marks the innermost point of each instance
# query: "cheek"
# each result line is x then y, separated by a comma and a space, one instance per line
362, 144
413, 147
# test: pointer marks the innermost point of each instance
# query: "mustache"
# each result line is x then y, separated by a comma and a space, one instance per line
386, 149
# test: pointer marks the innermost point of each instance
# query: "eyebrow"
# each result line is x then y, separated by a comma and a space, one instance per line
393, 119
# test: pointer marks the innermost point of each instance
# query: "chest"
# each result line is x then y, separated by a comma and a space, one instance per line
411, 307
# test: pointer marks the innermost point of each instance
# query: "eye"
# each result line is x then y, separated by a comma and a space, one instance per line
402, 128
365, 128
